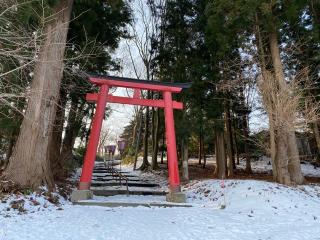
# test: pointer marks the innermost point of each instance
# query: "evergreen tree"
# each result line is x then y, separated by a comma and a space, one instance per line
265, 21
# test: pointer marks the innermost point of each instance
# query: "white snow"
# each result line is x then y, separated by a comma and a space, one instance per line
310, 170
254, 210
243, 209
263, 165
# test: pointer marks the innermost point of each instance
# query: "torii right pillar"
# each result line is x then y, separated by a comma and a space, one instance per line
175, 194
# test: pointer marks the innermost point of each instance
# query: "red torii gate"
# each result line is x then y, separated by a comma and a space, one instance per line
101, 98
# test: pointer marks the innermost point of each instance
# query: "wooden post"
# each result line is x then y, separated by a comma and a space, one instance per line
174, 178
86, 175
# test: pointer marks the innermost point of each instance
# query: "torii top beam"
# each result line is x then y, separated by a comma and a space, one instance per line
139, 84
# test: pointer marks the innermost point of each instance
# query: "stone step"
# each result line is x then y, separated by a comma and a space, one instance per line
103, 167
130, 204
109, 175
123, 183
107, 159
110, 178
105, 170
108, 171
107, 162
113, 192
111, 163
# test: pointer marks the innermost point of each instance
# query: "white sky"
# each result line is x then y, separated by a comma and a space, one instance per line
120, 117
122, 114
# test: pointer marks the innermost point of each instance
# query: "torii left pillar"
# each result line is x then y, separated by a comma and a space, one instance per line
101, 99
90, 157
84, 191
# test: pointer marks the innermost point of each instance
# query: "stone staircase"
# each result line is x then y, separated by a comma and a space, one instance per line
113, 187
109, 180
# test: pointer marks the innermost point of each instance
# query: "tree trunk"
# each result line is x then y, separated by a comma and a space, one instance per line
200, 147
281, 158
231, 140
220, 170
153, 119
204, 158
317, 137
163, 144
273, 151
136, 151
12, 141
246, 147
294, 167
235, 142
230, 163
264, 72
87, 134
185, 157
56, 138
145, 162
135, 129
154, 164
71, 133
67, 145
15, 132
179, 154
29, 164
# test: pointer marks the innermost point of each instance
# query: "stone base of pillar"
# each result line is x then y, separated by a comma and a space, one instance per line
176, 197
78, 195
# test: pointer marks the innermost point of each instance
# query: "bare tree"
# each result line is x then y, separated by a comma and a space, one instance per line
281, 97
103, 140
19, 47
18, 52
143, 30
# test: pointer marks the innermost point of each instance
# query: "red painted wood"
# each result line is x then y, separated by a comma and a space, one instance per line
91, 153
137, 93
115, 83
174, 178
92, 97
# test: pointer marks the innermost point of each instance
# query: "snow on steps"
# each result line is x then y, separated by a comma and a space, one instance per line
130, 201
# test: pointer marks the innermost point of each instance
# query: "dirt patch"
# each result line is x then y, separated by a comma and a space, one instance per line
242, 174
197, 172
312, 179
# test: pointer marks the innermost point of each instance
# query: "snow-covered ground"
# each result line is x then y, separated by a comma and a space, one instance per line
263, 165
253, 210
230, 209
